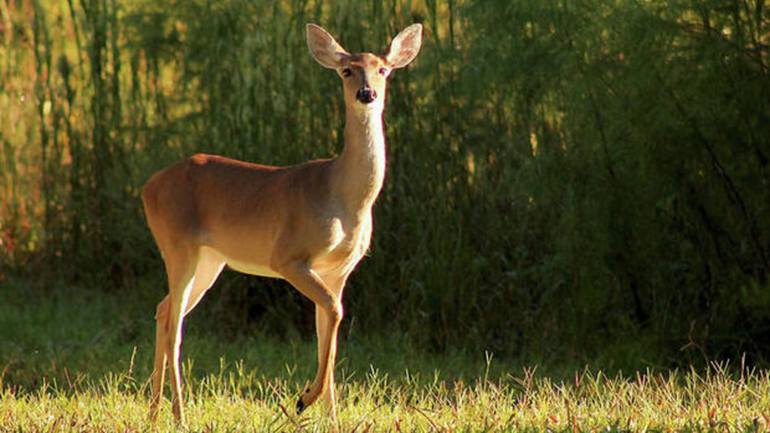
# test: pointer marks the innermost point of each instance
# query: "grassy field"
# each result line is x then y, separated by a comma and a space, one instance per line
74, 360
575, 213
241, 399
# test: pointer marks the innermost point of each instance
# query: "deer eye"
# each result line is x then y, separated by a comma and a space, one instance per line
383, 71
346, 72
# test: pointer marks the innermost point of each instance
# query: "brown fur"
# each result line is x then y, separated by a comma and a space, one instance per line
309, 224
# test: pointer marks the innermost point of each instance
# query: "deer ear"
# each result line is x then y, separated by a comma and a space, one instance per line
324, 48
405, 46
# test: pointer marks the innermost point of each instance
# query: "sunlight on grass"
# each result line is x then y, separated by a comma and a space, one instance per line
58, 375
236, 399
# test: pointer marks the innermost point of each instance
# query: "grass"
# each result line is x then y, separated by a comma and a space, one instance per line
239, 399
75, 360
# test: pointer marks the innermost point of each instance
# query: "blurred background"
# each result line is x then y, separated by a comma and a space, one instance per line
580, 181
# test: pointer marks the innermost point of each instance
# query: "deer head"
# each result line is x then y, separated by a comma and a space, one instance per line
364, 75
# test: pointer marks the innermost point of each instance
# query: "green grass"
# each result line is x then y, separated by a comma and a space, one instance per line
241, 399
77, 360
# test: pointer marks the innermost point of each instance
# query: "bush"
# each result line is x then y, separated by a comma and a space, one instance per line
562, 178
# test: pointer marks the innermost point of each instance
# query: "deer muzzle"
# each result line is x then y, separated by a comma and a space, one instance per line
366, 95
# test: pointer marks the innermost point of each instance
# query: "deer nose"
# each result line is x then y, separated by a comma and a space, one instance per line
366, 95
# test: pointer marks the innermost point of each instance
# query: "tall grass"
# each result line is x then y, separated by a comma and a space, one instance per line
79, 360
239, 400
564, 179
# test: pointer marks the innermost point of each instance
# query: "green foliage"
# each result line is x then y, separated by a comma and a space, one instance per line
565, 178
648, 177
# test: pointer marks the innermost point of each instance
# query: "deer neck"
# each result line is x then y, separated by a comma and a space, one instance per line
361, 166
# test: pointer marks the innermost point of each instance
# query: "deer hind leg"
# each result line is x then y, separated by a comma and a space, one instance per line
180, 266
210, 265
161, 351
190, 276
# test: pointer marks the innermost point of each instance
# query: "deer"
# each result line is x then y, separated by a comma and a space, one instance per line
308, 224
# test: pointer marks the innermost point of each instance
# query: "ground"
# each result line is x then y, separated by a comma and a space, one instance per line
81, 364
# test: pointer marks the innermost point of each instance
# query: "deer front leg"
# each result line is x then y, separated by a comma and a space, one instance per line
329, 307
336, 284
326, 331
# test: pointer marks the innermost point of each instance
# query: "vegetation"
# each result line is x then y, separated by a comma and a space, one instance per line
568, 182
237, 400
83, 366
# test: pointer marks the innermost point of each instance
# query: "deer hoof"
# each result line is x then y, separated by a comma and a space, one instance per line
301, 404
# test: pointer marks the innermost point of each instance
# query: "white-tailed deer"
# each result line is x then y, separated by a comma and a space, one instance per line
309, 224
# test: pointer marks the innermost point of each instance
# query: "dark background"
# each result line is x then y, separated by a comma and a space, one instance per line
580, 181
